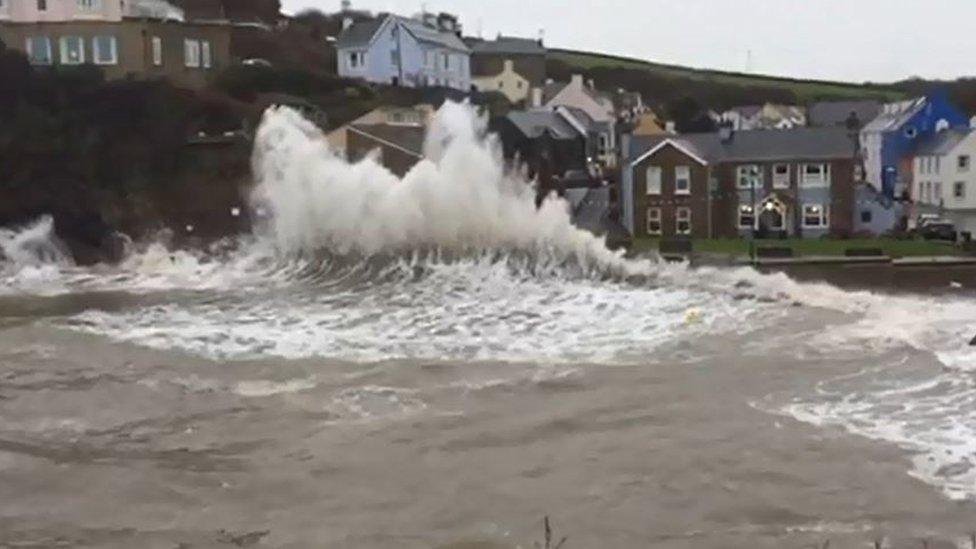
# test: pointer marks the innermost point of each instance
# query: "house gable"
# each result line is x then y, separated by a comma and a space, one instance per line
672, 143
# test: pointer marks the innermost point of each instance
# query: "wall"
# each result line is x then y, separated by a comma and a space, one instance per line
25, 11
134, 50
949, 174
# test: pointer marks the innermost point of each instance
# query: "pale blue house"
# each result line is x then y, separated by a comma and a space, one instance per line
416, 53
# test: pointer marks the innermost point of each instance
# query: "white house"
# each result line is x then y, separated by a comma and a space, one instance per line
944, 178
597, 106
397, 50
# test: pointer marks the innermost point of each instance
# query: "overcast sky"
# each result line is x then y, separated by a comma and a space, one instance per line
853, 40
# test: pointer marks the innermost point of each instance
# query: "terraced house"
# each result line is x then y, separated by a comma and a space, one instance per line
125, 38
774, 183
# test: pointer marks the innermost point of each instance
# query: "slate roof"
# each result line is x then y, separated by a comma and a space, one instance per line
507, 45
894, 115
836, 113
757, 145
942, 143
533, 123
409, 138
361, 33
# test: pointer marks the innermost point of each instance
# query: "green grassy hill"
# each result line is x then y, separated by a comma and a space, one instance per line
806, 91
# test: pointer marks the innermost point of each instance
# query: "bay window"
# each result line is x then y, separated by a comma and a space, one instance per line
749, 176
682, 180
815, 175
72, 50
682, 221
814, 216
654, 221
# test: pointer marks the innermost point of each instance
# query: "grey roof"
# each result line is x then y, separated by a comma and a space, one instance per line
410, 138
894, 115
591, 212
508, 45
758, 145
551, 90
534, 123
581, 117
836, 113
942, 143
361, 33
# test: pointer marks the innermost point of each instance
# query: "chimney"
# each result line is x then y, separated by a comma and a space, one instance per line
346, 22
670, 128
576, 81
726, 133
536, 100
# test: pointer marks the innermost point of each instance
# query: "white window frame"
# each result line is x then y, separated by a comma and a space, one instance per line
748, 176
679, 219
65, 57
963, 162
781, 181
49, 54
654, 189
356, 60
157, 51
113, 50
823, 180
89, 5
823, 223
3, 7
748, 210
206, 54
191, 53
938, 164
959, 190
682, 173
446, 61
654, 218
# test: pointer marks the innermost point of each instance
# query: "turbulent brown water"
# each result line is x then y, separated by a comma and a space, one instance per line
322, 384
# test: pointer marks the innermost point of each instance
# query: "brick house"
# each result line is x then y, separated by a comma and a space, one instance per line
132, 39
784, 183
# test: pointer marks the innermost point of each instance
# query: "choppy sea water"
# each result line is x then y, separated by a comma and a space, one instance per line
319, 385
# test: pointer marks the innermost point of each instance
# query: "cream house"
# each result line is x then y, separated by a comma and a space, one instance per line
508, 82
944, 178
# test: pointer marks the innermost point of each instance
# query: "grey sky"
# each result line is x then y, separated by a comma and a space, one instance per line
853, 40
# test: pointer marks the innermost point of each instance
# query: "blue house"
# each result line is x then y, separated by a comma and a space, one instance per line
416, 53
888, 142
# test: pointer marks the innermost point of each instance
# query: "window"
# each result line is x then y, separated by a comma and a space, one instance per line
749, 177
446, 61
206, 54
157, 50
959, 189
654, 221
938, 164
88, 5
356, 59
3, 5
682, 221
937, 197
39, 50
42, 6
191, 53
815, 175
653, 180
394, 60
865, 216
781, 176
105, 50
603, 144
747, 216
814, 216
72, 50
682, 180
430, 59
963, 162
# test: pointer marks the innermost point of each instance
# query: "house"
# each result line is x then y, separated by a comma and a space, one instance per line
133, 39
944, 180
398, 147
515, 87
842, 113
889, 141
796, 182
764, 117
598, 106
417, 116
391, 49
509, 65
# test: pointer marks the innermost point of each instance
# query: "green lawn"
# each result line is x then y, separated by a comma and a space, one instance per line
806, 90
801, 247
